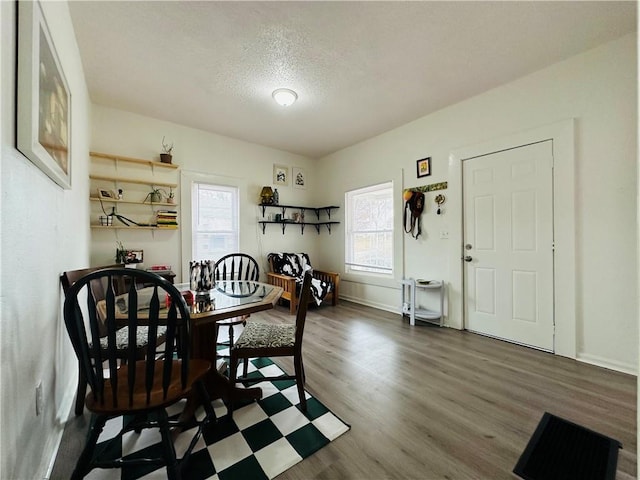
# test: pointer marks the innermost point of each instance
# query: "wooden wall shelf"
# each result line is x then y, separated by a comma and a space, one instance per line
118, 158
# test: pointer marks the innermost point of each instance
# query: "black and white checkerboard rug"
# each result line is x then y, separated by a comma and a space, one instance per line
263, 439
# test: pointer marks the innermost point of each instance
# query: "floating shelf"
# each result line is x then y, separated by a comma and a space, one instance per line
317, 225
118, 158
132, 227
112, 200
132, 180
284, 208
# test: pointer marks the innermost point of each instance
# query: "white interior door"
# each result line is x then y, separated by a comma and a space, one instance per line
508, 244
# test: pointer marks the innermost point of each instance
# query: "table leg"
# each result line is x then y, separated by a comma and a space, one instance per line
203, 346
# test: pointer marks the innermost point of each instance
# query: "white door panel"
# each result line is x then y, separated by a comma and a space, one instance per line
508, 233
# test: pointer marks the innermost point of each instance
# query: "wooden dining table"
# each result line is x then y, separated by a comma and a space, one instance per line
228, 299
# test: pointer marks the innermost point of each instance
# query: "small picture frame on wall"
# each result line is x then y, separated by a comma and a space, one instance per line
133, 256
423, 167
280, 175
103, 193
299, 178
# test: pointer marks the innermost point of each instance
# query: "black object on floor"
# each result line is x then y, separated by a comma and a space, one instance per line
562, 450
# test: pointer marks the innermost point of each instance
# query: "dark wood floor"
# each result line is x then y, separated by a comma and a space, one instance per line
433, 403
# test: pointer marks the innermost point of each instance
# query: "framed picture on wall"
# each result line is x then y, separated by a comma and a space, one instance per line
280, 175
44, 98
299, 178
133, 256
424, 167
106, 194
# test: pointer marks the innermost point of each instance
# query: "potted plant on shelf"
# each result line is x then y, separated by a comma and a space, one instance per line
154, 196
171, 196
166, 155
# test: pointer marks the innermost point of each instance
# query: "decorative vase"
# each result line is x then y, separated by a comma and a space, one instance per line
165, 157
201, 276
155, 197
276, 197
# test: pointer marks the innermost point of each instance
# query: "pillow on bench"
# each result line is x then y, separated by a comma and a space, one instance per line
296, 265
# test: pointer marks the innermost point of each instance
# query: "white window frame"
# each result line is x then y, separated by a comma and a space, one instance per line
234, 232
187, 179
361, 269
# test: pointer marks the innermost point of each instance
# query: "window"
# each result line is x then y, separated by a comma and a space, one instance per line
369, 230
215, 220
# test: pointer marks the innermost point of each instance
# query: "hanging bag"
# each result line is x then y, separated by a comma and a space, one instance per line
414, 202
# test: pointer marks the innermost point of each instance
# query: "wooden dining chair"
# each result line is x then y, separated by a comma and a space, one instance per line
143, 388
97, 289
273, 340
235, 266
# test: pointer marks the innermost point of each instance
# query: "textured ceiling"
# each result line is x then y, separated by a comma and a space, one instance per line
359, 68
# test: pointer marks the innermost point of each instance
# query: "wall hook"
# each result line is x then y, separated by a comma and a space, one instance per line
440, 199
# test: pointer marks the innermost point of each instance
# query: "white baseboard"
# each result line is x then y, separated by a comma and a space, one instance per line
63, 415
607, 363
379, 306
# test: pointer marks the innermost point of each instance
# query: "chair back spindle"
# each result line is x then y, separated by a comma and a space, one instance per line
237, 266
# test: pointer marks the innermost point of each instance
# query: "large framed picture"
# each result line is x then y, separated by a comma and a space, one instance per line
44, 98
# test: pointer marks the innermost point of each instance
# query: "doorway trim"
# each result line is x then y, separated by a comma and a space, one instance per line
564, 272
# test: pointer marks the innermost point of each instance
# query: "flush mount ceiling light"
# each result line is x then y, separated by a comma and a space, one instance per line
284, 96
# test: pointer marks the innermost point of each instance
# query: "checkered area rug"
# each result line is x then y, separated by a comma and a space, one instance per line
263, 439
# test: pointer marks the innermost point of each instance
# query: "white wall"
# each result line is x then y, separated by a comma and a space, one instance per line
198, 152
41, 237
599, 90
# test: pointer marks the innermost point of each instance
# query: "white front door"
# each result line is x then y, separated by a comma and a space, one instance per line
508, 244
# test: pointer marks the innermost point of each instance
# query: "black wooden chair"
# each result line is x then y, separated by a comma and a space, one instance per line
142, 388
122, 334
273, 340
235, 266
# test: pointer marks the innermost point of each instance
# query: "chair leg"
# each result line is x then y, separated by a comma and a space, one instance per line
84, 461
81, 392
173, 469
299, 368
206, 402
230, 337
292, 305
233, 370
245, 367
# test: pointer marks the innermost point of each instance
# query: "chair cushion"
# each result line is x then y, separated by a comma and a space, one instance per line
260, 335
122, 337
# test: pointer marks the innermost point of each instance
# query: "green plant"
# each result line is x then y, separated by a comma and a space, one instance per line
156, 194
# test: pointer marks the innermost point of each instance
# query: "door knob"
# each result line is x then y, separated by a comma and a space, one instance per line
467, 258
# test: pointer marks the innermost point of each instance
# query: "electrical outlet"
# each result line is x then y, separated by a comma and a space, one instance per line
39, 399
444, 234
